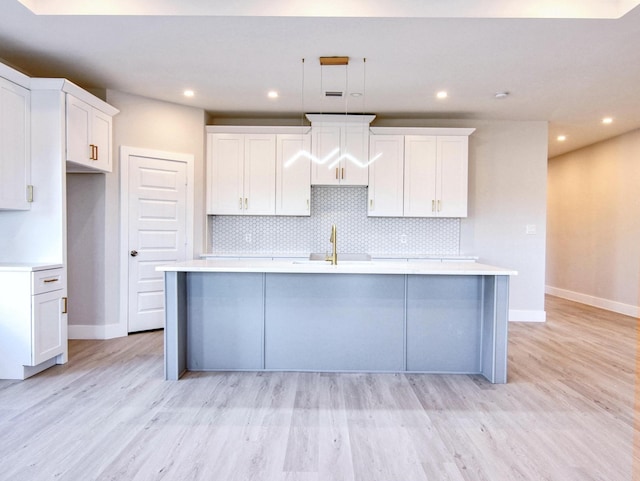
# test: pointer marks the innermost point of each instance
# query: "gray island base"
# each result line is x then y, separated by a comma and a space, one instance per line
387, 317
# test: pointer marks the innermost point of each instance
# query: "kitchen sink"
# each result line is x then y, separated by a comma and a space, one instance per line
342, 257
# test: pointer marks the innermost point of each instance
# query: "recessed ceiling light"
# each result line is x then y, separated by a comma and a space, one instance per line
189, 93
562, 138
272, 94
607, 120
502, 95
442, 94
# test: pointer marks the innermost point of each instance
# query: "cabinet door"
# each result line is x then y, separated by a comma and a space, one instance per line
101, 140
15, 141
420, 176
293, 177
452, 176
47, 324
225, 164
260, 174
386, 176
78, 125
325, 146
355, 152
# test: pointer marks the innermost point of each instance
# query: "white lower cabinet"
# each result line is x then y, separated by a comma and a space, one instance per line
33, 320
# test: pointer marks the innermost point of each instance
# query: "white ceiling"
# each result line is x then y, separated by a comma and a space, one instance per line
571, 72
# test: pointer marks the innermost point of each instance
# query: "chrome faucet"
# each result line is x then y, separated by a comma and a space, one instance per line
334, 240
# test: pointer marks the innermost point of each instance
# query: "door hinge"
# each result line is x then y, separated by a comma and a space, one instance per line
29, 193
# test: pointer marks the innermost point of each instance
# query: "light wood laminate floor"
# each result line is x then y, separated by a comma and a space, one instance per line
566, 414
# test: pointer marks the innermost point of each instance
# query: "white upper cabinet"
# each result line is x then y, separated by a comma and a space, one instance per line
88, 137
452, 173
260, 174
386, 176
340, 146
436, 176
241, 174
15, 140
293, 174
419, 175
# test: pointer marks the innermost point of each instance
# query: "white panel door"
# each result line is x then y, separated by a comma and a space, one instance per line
293, 182
452, 176
419, 176
157, 234
386, 176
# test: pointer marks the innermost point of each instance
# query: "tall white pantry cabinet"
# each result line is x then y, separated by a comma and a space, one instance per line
33, 242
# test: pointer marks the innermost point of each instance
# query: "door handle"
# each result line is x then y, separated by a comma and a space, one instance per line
134, 253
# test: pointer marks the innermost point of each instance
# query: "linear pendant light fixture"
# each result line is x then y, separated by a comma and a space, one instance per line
331, 158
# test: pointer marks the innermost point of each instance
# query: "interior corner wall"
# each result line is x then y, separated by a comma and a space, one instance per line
156, 125
507, 197
593, 234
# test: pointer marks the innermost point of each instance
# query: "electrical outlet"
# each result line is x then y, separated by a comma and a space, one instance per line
247, 238
531, 229
403, 238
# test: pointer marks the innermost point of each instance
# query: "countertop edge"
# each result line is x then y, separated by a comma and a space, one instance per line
317, 267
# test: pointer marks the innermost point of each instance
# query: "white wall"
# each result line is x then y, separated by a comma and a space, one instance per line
594, 225
507, 192
142, 123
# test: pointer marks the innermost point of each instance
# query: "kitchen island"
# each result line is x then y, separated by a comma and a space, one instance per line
287, 315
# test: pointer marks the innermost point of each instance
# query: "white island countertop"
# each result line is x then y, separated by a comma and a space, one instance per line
345, 267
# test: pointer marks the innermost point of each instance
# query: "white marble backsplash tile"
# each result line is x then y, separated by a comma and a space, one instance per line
347, 208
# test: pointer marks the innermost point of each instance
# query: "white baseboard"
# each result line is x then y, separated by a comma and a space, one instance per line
521, 315
609, 305
105, 331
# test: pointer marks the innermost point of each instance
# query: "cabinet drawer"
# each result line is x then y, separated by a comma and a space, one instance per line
48, 280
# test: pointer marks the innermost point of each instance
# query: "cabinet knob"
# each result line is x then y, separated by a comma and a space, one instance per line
134, 253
